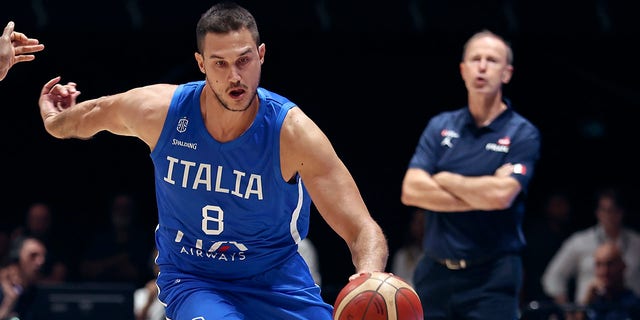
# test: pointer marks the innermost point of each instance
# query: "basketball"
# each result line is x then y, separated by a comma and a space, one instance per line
377, 295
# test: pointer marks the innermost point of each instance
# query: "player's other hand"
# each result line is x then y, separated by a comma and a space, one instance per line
56, 97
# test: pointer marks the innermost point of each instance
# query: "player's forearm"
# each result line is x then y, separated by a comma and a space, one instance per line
57, 125
369, 251
67, 123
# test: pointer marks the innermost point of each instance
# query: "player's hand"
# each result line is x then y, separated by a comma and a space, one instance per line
356, 275
22, 44
504, 171
55, 97
16, 47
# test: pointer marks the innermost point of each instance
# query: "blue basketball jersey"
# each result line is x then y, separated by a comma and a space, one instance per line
224, 210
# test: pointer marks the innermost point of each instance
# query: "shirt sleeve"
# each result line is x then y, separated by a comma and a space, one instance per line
561, 268
523, 155
424, 156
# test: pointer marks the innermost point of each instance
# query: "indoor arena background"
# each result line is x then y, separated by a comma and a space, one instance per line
370, 74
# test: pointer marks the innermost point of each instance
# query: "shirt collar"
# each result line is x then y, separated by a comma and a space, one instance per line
497, 123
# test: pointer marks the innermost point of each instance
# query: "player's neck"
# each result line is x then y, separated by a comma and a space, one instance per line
222, 124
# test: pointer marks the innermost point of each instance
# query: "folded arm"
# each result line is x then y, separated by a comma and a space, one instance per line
451, 192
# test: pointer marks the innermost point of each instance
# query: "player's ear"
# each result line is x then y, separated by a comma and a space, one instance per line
262, 49
200, 61
506, 74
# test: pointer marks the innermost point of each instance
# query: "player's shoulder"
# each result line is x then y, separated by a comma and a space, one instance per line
157, 89
299, 131
295, 119
273, 99
282, 106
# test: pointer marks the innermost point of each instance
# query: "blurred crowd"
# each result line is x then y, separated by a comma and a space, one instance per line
572, 270
39, 251
563, 273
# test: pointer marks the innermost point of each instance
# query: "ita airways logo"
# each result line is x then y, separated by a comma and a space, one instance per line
182, 124
223, 251
225, 246
227, 251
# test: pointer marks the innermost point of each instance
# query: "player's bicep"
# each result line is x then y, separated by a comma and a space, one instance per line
139, 112
305, 149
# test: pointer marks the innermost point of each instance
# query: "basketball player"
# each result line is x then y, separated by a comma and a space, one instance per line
16, 47
236, 169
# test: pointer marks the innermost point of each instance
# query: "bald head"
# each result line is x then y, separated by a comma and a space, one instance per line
609, 264
608, 251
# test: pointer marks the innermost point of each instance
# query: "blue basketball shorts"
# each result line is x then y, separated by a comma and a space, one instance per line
285, 292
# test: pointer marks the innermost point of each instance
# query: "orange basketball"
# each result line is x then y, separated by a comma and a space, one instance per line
378, 295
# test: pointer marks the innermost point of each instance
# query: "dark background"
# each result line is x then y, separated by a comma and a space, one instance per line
371, 75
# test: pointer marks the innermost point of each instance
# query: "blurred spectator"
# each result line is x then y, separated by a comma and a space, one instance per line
39, 224
544, 237
406, 257
308, 251
607, 296
146, 305
19, 277
574, 259
120, 252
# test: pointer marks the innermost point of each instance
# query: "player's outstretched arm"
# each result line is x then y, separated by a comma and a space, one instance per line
138, 112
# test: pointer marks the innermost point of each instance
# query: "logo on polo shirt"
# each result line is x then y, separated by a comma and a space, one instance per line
502, 145
448, 135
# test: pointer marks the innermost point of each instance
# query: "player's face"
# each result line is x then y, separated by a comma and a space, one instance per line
232, 65
485, 68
